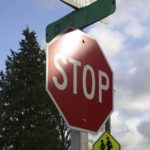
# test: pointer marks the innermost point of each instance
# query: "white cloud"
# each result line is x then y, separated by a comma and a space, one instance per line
132, 65
135, 10
143, 128
110, 40
135, 30
128, 132
118, 124
134, 106
143, 71
132, 18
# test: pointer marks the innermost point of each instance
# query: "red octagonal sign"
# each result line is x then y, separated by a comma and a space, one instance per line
79, 80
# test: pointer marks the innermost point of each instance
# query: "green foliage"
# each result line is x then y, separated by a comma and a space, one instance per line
28, 118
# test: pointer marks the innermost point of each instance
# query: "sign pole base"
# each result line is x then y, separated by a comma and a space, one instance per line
79, 140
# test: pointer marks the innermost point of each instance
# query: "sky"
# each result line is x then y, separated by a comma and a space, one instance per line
125, 42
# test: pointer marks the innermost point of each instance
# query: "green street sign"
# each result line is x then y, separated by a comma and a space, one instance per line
106, 142
78, 3
81, 18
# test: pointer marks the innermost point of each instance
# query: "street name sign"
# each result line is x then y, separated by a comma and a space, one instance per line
106, 142
78, 3
81, 18
79, 80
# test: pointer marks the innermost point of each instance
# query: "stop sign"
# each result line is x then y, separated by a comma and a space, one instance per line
79, 80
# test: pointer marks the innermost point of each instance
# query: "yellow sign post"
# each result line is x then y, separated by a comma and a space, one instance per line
106, 142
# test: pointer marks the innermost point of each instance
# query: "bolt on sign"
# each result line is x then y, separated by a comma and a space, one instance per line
106, 142
79, 80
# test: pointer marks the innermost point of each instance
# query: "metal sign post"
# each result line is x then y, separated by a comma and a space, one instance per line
79, 140
108, 125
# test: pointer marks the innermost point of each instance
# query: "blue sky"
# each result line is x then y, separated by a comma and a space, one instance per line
125, 42
16, 15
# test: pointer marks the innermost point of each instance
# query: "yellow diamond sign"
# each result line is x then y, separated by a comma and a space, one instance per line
106, 142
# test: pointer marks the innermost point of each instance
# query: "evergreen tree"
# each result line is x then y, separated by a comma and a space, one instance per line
29, 120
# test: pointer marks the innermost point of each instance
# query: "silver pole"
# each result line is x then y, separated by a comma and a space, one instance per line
79, 140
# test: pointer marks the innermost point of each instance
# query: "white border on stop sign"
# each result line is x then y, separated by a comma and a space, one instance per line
73, 127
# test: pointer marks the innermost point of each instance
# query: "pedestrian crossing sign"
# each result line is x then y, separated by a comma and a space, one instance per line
106, 142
